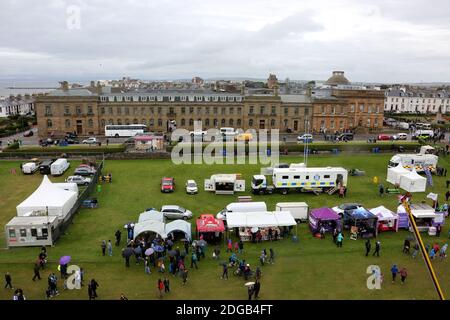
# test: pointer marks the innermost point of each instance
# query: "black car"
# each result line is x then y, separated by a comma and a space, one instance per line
44, 167
72, 141
71, 135
346, 136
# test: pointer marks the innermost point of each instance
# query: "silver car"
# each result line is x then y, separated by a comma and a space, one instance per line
176, 212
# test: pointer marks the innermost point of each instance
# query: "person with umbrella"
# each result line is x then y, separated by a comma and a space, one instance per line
126, 253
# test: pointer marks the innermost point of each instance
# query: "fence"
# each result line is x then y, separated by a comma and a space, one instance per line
62, 226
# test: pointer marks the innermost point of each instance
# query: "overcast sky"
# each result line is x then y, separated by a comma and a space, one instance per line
382, 41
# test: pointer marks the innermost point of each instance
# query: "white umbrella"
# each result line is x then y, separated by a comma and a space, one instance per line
249, 284
254, 229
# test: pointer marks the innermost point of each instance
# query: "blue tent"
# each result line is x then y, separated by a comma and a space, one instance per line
364, 220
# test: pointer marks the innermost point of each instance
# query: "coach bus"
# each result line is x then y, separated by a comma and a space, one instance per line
124, 130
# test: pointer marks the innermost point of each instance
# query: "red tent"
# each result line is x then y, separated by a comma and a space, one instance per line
207, 223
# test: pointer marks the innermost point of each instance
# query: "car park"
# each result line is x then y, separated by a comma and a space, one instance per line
176, 212
305, 138
167, 184
191, 187
84, 171
79, 180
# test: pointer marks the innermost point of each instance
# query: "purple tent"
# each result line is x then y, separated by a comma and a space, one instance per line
325, 217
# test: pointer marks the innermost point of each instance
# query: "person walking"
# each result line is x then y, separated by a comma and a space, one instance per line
443, 252
257, 273
447, 195
8, 281
103, 246
340, 239
94, 285
381, 190
250, 292
185, 276
271, 256
110, 248
37, 274
262, 258
406, 246
166, 285
322, 233
160, 288
394, 271
403, 275
368, 247
241, 246
224, 272
256, 288
229, 246
416, 251
118, 236
377, 248
438, 230
335, 234
194, 260
147, 266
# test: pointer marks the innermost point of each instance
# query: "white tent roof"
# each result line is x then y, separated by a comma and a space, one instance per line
413, 182
179, 225
260, 219
226, 178
58, 201
419, 210
151, 215
150, 226
383, 213
394, 174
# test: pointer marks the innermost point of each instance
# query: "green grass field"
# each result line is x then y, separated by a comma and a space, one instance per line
310, 269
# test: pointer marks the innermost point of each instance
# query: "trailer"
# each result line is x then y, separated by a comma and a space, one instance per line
30, 167
299, 210
225, 183
301, 178
31, 231
58, 167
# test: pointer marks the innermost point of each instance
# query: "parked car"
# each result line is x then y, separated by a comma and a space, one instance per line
347, 136
176, 212
305, 138
400, 136
72, 141
71, 135
28, 133
44, 167
346, 207
385, 137
167, 184
84, 171
91, 140
191, 187
79, 180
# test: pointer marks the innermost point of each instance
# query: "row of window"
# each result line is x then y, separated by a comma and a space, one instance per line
417, 100
172, 98
23, 232
351, 124
317, 177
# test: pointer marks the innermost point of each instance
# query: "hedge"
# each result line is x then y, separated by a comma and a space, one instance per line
349, 146
69, 150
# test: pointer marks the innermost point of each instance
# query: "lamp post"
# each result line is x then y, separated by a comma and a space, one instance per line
305, 149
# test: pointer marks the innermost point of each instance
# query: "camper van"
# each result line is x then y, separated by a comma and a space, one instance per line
299, 210
301, 178
242, 207
423, 159
44, 167
225, 183
59, 167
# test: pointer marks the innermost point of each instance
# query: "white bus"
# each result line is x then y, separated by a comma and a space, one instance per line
124, 130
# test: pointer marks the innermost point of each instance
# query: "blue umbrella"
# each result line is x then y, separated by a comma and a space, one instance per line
158, 248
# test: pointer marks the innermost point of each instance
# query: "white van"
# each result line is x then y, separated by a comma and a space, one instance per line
403, 125
242, 207
59, 167
30, 167
299, 210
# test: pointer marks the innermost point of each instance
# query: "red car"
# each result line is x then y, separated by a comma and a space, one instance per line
167, 184
385, 137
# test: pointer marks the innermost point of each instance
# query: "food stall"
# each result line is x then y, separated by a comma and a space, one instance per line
362, 222
324, 217
387, 220
251, 225
210, 228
